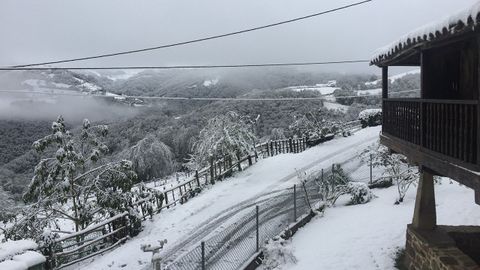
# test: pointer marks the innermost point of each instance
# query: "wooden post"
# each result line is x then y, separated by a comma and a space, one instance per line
290, 145
371, 169
294, 202
422, 96
239, 164
384, 90
203, 255
271, 149
268, 150
249, 160
425, 216
257, 229
166, 199
212, 171
197, 178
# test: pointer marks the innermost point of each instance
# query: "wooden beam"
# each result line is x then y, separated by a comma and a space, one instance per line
477, 52
385, 82
436, 162
425, 215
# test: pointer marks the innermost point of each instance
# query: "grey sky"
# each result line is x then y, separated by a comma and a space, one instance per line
33, 31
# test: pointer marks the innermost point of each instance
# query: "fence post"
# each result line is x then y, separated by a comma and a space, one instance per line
166, 199
294, 202
212, 171
257, 225
203, 255
371, 166
268, 149
249, 160
197, 178
290, 145
271, 149
239, 164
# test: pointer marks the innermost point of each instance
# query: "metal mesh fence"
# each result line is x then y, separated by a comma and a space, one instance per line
231, 245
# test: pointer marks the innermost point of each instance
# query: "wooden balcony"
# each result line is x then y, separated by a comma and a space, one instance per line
438, 134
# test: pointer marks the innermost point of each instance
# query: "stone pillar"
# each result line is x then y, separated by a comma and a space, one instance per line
425, 216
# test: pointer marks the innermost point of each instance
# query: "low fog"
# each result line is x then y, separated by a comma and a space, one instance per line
72, 108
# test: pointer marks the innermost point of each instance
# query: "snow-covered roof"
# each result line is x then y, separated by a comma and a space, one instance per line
463, 21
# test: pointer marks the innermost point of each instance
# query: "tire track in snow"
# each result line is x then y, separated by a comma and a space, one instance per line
210, 225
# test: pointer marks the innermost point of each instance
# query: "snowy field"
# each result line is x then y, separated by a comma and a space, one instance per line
179, 222
368, 236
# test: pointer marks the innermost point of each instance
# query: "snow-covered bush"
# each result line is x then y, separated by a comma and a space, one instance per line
278, 254
395, 167
360, 193
225, 135
370, 117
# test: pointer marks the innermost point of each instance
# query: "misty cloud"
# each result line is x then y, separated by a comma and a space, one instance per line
73, 108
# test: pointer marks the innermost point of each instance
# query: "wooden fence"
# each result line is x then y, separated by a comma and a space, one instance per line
75, 247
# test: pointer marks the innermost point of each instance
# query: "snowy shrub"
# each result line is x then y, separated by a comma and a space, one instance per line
360, 193
370, 117
396, 168
332, 186
278, 254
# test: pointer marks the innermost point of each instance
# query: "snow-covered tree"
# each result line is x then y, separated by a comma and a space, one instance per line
73, 184
396, 168
224, 135
313, 125
151, 158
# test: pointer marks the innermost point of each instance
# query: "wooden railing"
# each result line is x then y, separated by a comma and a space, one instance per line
72, 248
448, 127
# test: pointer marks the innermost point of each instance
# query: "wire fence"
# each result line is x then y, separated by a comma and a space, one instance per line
231, 245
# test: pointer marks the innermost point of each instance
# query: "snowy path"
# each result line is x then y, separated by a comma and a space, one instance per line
185, 225
368, 236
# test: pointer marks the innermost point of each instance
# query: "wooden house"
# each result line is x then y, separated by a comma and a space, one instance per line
439, 131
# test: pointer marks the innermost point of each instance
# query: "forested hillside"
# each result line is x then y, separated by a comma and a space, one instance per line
175, 124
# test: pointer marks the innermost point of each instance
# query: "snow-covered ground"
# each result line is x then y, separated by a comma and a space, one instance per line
335, 106
324, 90
368, 236
375, 91
393, 77
177, 223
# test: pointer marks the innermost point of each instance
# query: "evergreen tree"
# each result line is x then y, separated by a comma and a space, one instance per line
73, 184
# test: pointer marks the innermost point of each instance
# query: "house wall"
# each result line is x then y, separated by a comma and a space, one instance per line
451, 71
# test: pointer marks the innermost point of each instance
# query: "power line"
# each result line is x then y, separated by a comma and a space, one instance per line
192, 66
193, 40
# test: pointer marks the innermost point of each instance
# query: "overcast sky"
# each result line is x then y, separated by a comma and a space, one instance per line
33, 31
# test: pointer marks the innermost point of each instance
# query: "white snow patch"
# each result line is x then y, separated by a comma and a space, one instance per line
30, 258
324, 90
368, 236
208, 83
11, 248
369, 92
335, 106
